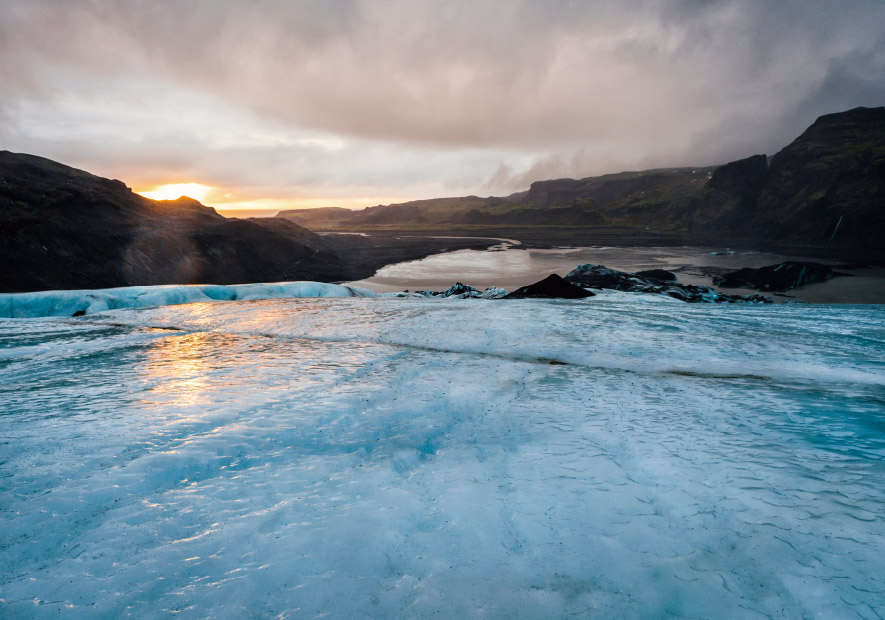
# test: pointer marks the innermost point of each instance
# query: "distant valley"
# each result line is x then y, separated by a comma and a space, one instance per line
825, 190
63, 228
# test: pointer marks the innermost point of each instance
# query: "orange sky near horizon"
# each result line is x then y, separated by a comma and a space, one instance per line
287, 105
224, 200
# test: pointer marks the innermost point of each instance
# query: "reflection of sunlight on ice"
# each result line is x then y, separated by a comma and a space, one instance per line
229, 349
290, 319
177, 367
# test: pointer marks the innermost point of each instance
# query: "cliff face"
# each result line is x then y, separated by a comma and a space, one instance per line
827, 186
728, 200
62, 228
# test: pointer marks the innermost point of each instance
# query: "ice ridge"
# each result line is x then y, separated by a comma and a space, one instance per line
89, 301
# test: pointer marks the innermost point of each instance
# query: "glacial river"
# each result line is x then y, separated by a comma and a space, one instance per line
510, 266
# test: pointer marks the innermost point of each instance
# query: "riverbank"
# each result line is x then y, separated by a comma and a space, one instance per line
517, 266
364, 254
368, 251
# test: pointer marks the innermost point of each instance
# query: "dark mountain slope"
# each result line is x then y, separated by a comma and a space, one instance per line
64, 228
660, 198
653, 197
829, 184
728, 201
827, 187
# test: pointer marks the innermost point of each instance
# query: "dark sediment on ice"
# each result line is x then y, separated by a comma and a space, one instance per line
459, 291
576, 283
657, 274
780, 277
601, 277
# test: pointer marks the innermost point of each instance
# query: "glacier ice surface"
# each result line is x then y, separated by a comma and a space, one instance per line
629, 457
77, 302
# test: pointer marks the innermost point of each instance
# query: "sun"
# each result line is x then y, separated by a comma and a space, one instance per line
177, 190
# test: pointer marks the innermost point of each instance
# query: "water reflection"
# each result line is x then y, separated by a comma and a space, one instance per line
517, 266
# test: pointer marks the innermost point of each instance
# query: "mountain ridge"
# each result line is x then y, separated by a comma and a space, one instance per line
825, 189
61, 227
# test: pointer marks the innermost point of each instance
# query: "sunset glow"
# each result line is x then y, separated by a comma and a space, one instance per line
450, 309
177, 190
339, 102
281, 204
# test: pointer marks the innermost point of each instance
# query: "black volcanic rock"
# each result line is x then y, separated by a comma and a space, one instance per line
62, 228
460, 291
600, 277
657, 274
551, 287
781, 277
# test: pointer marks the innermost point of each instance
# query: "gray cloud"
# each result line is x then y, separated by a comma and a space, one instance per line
520, 89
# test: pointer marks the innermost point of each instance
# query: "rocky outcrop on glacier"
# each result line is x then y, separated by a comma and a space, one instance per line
551, 287
780, 277
657, 274
459, 291
601, 277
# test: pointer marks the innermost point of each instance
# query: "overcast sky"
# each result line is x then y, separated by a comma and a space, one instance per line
296, 103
